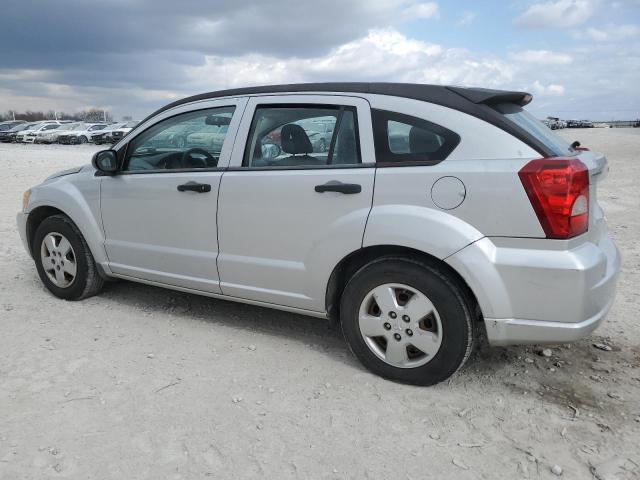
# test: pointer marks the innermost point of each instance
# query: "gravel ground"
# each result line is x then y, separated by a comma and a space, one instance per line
142, 382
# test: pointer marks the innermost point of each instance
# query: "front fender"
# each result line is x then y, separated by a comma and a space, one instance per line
435, 232
79, 199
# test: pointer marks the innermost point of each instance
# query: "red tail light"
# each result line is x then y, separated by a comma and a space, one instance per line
558, 189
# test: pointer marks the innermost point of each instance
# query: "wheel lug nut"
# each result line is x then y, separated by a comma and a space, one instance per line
393, 314
409, 332
406, 318
397, 336
387, 326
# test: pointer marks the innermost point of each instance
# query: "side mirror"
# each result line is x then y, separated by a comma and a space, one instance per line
105, 161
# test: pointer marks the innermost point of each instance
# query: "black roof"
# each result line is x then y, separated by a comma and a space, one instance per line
473, 101
448, 96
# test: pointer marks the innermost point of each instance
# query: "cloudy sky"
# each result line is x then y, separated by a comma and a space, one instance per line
579, 58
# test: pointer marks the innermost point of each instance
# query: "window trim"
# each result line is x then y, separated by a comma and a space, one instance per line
384, 155
328, 106
124, 151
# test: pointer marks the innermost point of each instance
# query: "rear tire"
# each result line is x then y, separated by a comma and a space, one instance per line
420, 334
63, 259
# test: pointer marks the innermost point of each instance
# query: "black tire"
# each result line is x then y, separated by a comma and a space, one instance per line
448, 297
87, 281
82, 139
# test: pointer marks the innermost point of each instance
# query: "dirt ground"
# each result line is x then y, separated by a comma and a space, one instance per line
146, 383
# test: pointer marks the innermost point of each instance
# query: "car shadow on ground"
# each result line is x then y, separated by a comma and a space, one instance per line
294, 327
263, 320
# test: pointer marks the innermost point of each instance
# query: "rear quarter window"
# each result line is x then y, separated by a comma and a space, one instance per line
406, 140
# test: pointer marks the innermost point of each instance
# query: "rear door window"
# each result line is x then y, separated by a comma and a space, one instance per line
534, 127
402, 139
302, 136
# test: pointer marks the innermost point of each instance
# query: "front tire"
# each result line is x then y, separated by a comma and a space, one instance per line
407, 320
63, 259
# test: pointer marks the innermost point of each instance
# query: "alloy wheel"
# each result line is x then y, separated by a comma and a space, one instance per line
400, 325
58, 259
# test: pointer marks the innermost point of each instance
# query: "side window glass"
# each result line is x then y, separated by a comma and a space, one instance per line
186, 141
302, 136
402, 138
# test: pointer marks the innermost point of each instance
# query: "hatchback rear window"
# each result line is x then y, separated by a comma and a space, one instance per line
534, 127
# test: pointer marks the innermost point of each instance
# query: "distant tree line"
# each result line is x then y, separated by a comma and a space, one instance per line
92, 115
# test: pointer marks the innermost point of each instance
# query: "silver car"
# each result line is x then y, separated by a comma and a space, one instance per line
434, 212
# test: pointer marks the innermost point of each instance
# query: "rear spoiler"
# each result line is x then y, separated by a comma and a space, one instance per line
492, 97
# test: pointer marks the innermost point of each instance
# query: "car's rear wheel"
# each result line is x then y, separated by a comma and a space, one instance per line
63, 259
407, 321
82, 139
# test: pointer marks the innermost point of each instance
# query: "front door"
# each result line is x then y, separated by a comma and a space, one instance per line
159, 212
296, 197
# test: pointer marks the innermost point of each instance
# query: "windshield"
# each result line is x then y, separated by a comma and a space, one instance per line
535, 128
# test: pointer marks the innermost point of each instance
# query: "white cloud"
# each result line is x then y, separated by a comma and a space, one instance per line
542, 57
383, 55
610, 33
557, 14
551, 90
467, 18
418, 11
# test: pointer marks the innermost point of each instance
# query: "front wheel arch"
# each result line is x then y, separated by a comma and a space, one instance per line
35, 218
353, 262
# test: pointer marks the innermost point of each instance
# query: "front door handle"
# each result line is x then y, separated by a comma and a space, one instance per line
194, 187
335, 186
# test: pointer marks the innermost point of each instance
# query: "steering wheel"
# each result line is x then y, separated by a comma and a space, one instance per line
186, 155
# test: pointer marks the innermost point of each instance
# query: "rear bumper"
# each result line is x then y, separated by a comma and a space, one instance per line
514, 331
535, 292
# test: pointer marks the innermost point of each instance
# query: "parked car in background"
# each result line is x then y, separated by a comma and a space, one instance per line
410, 269
52, 135
81, 134
100, 136
210, 137
117, 134
9, 136
29, 135
175, 136
9, 124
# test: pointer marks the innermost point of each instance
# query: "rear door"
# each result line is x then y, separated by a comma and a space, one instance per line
290, 206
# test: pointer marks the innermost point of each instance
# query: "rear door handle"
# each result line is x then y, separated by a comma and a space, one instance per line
335, 186
194, 187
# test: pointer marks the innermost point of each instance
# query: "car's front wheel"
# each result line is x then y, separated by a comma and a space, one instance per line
63, 259
407, 321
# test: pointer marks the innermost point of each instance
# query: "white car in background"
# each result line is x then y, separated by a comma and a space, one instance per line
100, 136
51, 135
118, 134
81, 134
29, 136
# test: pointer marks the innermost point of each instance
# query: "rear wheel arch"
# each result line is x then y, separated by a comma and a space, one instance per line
353, 262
